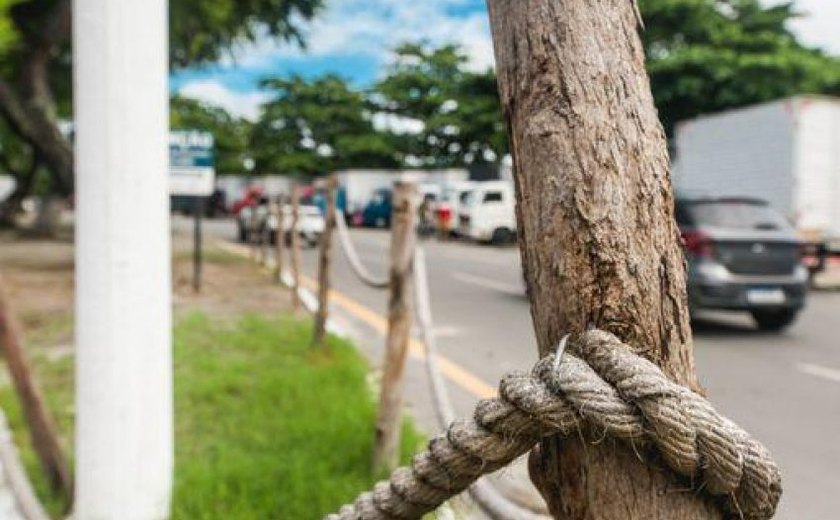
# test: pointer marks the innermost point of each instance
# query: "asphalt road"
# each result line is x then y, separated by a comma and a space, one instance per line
783, 388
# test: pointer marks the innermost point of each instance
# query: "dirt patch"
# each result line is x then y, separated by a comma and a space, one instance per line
38, 276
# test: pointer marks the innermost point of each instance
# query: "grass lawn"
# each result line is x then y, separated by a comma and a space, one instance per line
266, 426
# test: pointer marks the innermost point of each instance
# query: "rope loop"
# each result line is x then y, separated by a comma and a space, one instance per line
600, 383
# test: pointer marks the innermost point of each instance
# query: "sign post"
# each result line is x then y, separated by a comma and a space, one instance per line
191, 174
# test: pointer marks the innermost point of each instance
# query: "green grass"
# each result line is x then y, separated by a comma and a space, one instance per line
266, 426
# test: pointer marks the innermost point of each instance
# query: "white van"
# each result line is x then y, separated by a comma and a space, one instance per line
488, 213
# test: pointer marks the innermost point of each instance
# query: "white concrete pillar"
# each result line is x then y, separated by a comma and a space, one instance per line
124, 445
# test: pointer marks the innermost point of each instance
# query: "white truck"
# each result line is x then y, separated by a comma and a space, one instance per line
488, 213
786, 152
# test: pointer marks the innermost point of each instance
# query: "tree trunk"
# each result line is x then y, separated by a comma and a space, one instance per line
599, 244
33, 124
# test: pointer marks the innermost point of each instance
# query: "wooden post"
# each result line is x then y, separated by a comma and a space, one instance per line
253, 236
279, 246
403, 238
41, 426
295, 246
324, 265
599, 243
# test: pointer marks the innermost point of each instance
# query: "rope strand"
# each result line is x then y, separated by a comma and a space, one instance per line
600, 383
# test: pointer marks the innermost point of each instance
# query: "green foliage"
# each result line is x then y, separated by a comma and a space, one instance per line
459, 109
314, 127
710, 55
265, 426
232, 134
269, 428
203, 31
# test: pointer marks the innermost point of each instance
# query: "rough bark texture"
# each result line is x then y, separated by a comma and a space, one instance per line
324, 265
388, 421
41, 426
599, 243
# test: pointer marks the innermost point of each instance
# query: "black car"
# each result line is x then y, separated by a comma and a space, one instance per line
743, 256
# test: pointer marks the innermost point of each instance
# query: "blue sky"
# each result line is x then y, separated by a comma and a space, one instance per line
353, 38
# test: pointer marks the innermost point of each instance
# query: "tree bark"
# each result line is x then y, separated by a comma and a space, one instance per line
599, 244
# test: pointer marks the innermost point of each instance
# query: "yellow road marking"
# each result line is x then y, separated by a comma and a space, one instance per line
452, 370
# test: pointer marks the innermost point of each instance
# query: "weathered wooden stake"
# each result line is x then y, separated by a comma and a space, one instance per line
281, 240
403, 234
41, 426
295, 246
324, 265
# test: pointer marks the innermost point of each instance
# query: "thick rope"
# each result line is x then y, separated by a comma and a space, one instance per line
353, 256
489, 499
607, 388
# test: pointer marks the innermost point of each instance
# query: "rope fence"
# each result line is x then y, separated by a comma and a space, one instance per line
604, 386
600, 388
486, 496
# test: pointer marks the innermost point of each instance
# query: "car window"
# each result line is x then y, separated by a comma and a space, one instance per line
493, 196
736, 215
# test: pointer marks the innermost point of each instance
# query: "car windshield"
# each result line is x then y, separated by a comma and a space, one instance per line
737, 214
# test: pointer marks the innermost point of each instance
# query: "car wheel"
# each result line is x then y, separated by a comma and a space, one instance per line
503, 236
773, 321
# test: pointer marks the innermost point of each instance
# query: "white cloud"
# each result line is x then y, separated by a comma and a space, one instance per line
373, 27
242, 104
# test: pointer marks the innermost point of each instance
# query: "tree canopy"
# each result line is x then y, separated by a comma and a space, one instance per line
459, 108
710, 55
36, 62
317, 126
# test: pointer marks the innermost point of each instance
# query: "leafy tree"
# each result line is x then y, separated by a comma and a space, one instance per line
36, 59
459, 109
314, 127
231, 134
710, 55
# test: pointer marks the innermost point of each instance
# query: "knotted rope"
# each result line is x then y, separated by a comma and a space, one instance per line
608, 388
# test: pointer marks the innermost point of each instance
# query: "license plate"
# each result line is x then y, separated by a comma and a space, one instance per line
766, 296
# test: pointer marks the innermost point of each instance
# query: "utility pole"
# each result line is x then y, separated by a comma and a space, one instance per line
599, 244
324, 264
403, 239
124, 421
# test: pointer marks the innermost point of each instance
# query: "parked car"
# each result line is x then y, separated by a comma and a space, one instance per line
310, 226
488, 213
310, 222
377, 212
742, 256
